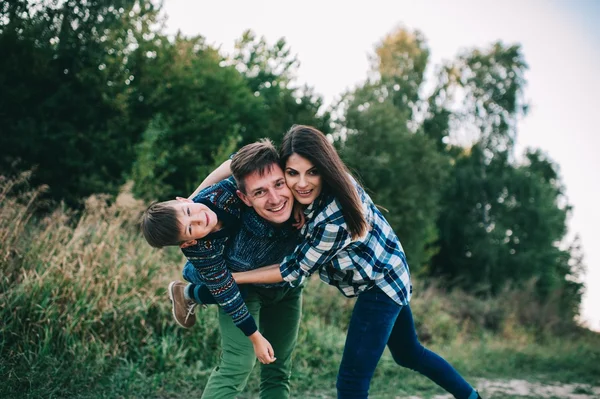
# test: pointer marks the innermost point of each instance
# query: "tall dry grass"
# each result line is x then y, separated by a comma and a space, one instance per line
84, 313
82, 296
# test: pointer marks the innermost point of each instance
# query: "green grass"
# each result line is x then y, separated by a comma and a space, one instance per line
85, 314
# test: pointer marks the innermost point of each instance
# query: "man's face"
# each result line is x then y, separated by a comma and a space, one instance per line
269, 195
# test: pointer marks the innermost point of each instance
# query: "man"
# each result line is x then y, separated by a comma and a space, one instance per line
264, 237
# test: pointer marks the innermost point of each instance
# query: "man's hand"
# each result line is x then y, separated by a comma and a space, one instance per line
262, 348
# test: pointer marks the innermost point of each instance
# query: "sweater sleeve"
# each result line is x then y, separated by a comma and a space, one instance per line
223, 197
207, 258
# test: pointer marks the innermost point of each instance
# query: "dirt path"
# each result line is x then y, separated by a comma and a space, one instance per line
497, 388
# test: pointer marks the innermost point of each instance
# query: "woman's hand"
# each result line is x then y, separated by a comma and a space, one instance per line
298, 213
262, 348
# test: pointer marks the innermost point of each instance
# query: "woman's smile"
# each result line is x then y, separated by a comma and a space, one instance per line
303, 178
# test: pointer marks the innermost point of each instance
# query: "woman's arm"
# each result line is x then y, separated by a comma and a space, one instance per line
262, 275
222, 172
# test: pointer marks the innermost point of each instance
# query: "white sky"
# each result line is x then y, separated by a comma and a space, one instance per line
560, 40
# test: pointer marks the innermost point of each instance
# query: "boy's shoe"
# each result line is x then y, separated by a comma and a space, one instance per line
183, 309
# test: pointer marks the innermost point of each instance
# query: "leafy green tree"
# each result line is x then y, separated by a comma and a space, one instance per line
201, 109
205, 107
270, 71
381, 140
479, 97
64, 87
399, 62
506, 227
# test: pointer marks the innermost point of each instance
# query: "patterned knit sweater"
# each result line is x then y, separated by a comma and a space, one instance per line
245, 242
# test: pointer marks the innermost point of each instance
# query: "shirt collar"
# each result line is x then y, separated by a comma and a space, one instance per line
316, 206
260, 227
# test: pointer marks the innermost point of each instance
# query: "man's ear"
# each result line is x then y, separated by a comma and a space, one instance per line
188, 244
244, 198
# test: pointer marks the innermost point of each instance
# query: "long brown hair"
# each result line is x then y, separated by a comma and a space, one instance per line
310, 143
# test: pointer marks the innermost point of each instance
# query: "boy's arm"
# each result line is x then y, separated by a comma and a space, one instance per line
207, 258
222, 172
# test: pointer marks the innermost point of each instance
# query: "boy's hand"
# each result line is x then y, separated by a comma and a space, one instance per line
262, 348
298, 213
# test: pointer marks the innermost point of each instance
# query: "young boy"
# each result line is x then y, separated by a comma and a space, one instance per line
264, 237
201, 226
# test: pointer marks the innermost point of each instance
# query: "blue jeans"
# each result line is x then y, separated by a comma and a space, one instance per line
198, 291
378, 321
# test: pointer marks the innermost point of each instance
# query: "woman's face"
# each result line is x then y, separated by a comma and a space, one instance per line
303, 178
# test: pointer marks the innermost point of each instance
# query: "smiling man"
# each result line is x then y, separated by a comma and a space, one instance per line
238, 224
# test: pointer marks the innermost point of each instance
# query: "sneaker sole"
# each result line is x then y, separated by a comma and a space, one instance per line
171, 284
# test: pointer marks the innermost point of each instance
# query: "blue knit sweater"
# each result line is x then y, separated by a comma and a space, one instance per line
246, 242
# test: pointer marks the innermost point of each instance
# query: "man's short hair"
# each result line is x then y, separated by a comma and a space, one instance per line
160, 225
256, 157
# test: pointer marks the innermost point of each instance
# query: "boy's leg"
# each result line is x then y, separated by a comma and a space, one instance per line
229, 378
197, 290
279, 320
190, 274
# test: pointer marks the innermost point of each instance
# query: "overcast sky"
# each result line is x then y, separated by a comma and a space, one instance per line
560, 40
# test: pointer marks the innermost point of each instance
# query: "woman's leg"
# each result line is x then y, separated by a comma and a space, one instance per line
372, 322
408, 352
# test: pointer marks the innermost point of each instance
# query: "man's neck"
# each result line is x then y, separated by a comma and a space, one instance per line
217, 227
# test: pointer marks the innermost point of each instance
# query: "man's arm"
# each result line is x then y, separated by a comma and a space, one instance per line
262, 275
222, 172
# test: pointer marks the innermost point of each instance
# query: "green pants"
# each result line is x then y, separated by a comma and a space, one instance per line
277, 312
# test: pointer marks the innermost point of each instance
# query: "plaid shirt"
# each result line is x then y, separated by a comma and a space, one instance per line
353, 266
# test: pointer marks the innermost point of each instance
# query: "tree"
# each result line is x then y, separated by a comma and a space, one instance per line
480, 96
270, 71
64, 85
381, 140
506, 228
201, 109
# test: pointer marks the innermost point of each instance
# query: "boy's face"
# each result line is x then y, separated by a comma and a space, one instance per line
196, 221
269, 195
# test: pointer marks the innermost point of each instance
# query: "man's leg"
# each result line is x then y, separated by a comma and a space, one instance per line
229, 378
279, 320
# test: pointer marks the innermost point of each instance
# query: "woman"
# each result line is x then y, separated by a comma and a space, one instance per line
354, 248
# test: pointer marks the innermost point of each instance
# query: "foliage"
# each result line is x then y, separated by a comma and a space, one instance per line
270, 72
64, 85
480, 97
504, 224
402, 168
85, 314
201, 108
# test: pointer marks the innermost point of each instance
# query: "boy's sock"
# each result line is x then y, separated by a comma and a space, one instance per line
186, 292
200, 294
